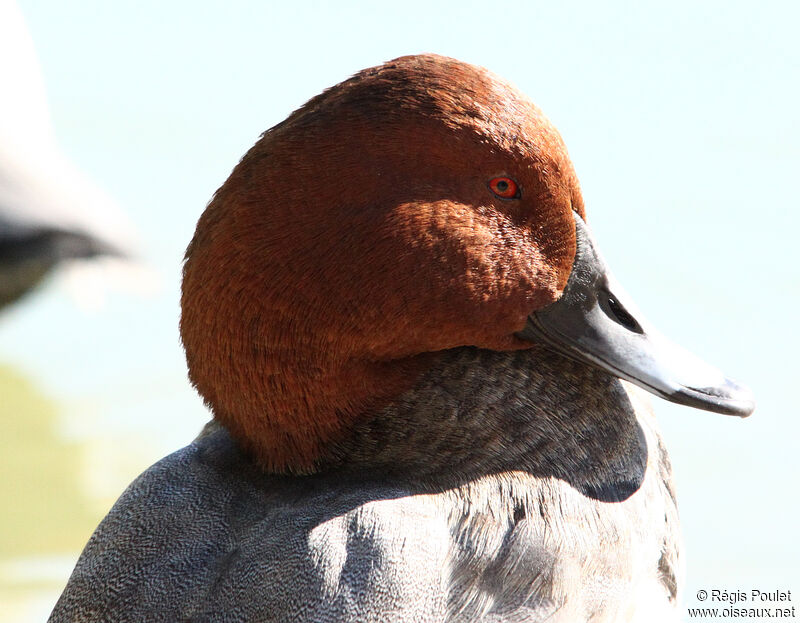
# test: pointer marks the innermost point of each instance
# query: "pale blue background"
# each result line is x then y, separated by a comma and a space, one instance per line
681, 119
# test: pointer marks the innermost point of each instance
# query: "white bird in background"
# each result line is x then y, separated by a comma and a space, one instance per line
50, 212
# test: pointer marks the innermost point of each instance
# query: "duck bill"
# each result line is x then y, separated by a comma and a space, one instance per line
594, 321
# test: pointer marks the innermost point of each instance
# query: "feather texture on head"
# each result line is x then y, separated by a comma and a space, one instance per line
358, 237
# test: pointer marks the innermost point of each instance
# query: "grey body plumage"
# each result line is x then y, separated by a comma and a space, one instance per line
503, 487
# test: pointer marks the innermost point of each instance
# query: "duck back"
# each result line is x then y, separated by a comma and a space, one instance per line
513, 486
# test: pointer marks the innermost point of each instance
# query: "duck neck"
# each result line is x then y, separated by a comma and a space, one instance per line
478, 412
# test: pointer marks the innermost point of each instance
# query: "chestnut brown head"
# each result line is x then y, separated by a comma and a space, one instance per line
421, 205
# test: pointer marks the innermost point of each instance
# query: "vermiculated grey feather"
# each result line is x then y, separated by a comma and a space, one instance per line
531, 489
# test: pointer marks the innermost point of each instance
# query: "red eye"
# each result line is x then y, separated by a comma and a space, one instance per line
504, 187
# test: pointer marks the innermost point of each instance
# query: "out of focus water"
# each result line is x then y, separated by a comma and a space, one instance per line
682, 122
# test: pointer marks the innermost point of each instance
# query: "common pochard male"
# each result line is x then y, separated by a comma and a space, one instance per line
412, 349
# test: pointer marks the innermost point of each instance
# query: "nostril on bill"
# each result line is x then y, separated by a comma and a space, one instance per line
616, 311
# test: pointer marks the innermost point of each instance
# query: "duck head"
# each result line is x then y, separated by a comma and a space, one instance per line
419, 206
